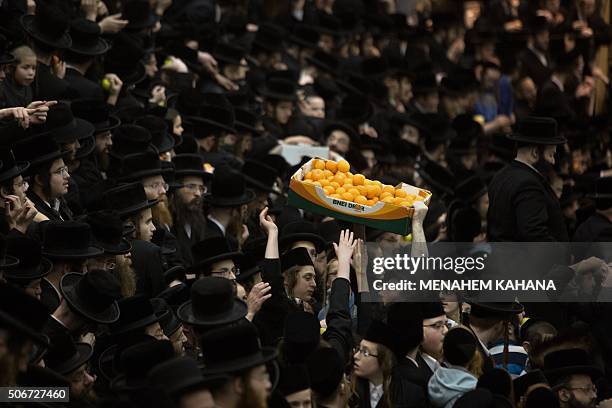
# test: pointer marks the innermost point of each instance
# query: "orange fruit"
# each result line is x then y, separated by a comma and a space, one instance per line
419, 198
340, 190
378, 183
358, 179
329, 190
406, 204
334, 184
400, 193
308, 176
353, 191
388, 189
331, 165
363, 190
385, 194
388, 199
367, 182
373, 191
410, 197
327, 173
359, 199
324, 182
398, 200
336, 196
347, 197
370, 203
344, 166
330, 178
349, 175
347, 186
317, 174
318, 164
375, 199
339, 178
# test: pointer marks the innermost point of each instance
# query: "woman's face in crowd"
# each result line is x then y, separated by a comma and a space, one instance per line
58, 182
305, 284
434, 331
145, 227
25, 71
366, 367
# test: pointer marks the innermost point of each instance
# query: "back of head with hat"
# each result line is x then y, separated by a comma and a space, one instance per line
48, 26
407, 320
296, 257
293, 378
325, 370
228, 189
31, 266
136, 361
135, 313
385, 335
535, 130
301, 336
68, 240
22, 314
63, 127
496, 380
130, 139
559, 365
179, 376
460, 346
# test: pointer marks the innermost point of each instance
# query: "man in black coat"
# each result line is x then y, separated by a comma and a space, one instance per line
535, 60
523, 206
592, 229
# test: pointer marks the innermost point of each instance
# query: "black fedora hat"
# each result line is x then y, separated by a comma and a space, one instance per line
93, 295
10, 168
37, 150
49, 26
521, 384
259, 175
65, 356
160, 138
234, 348
137, 360
108, 232
562, 363
128, 199
407, 320
333, 125
354, 109
300, 231
228, 189
68, 240
168, 320
5, 57
382, 333
209, 251
305, 36
215, 113
190, 165
269, 38
538, 131
124, 59
500, 310
326, 370
229, 53
603, 193
135, 313
6, 261
175, 295
139, 14
324, 61
279, 89
293, 379
130, 139
23, 313
36, 376
86, 38
424, 82
295, 257
246, 121
181, 375
63, 127
140, 165
32, 265
212, 303
96, 112
248, 267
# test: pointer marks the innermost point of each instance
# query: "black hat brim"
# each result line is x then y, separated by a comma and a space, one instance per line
84, 353
87, 147
68, 253
166, 145
321, 65
113, 122
27, 22
265, 92
501, 310
238, 311
234, 256
26, 330
247, 128
149, 22
303, 236
517, 137
258, 184
138, 324
137, 175
245, 275
558, 373
6, 59
266, 355
100, 48
126, 212
68, 290
122, 248
245, 198
20, 275
193, 172
16, 170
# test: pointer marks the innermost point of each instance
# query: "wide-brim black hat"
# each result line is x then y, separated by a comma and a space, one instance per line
28, 23
98, 49
29, 274
190, 165
554, 375
16, 170
70, 253
122, 248
234, 256
68, 289
494, 309
538, 131
246, 197
209, 122
19, 325
238, 311
279, 89
84, 351
86, 38
266, 355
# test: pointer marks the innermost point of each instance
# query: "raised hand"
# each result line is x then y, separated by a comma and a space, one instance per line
257, 296
345, 246
266, 223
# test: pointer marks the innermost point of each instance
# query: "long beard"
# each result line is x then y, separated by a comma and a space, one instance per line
161, 213
126, 276
103, 161
189, 214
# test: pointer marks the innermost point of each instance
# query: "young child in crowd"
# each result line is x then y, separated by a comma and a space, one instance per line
16, 89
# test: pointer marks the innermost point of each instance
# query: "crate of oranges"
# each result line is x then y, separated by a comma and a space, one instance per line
329, 188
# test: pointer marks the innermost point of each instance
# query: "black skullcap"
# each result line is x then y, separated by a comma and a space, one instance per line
459, 346
429, 310
325, 370
496, 380
293, 379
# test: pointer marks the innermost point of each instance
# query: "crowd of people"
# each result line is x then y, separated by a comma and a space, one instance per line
149, 258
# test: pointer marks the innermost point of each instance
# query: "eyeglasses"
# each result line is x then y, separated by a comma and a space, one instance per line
365, 353
193, 187
62, 171
438, 325
21, 184
586, 389
157, 185
226, 272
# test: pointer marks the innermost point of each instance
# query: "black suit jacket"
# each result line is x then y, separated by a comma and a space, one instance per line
81, 87
147, 263
49, 296
552, 101
63, 214
523, 207
533, 67
48, 87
